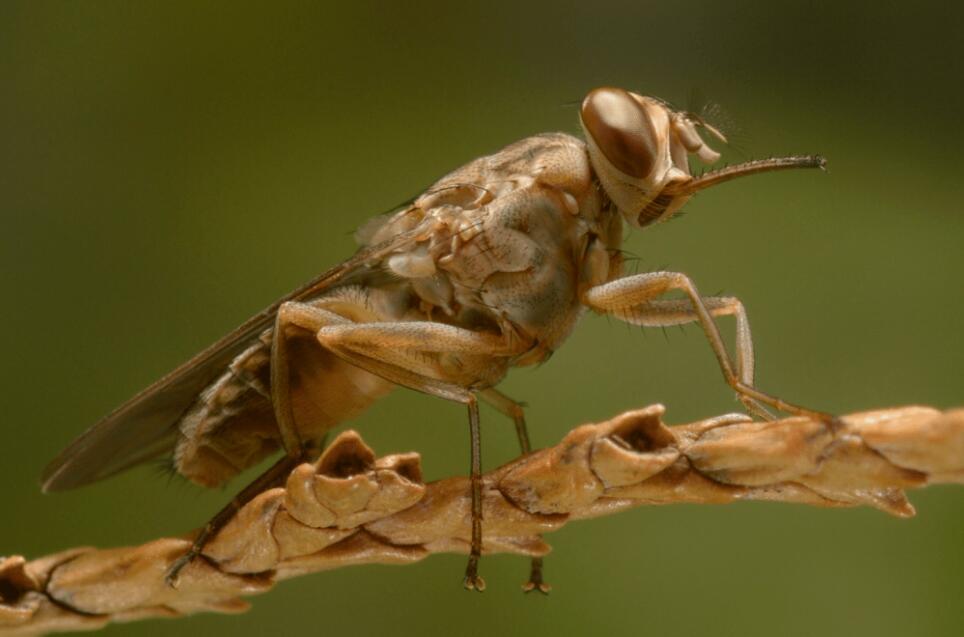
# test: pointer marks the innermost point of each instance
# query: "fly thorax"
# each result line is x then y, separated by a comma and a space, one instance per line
518, 262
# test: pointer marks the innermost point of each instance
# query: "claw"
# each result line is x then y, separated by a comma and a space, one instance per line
540, 586
754, 408
473, 581
172, 575
535, 582
834, 423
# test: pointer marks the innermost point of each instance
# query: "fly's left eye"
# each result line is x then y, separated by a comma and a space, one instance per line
622, 130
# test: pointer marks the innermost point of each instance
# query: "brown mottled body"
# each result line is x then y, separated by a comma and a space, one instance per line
489, 269
506, 244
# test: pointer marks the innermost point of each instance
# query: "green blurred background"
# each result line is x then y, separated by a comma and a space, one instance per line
169, 168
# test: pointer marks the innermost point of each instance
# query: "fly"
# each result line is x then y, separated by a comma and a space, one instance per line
489, 269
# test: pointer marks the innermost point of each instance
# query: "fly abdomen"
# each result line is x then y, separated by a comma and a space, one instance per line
232, 424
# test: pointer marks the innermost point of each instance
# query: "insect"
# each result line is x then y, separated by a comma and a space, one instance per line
489, 269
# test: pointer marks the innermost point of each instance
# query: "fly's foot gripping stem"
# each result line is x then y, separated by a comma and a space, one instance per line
274, 476
834, 423
174, 571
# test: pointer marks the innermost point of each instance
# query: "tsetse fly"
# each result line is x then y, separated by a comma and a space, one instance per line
489, 269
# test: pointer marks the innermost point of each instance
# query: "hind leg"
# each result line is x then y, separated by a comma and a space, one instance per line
298, 315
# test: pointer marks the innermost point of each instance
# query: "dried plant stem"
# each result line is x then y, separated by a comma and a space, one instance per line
353, 508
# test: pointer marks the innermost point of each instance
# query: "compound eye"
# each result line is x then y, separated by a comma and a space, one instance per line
622, 130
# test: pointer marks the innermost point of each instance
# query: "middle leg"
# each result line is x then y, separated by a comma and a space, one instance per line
514, 410
407, 354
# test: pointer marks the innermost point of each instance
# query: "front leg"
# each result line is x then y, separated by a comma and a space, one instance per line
667, 312
634, 299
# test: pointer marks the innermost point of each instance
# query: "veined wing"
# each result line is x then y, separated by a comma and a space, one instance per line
145, 426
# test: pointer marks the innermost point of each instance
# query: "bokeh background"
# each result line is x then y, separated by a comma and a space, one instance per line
169, 168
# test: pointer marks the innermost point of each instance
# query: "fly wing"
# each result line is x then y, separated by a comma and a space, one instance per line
145, 427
